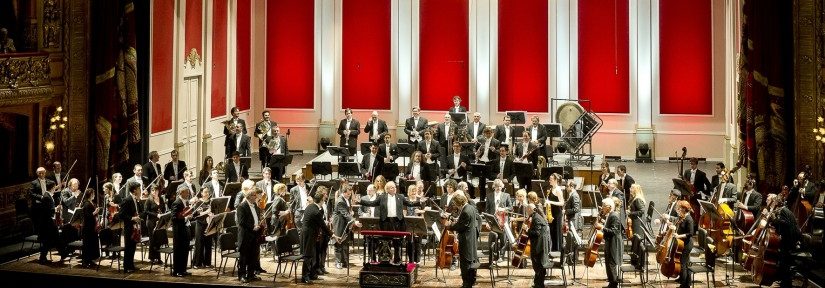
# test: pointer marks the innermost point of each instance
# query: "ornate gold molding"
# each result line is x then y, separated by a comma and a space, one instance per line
25, 96
52, 23
809, 42
24, 71
193, 58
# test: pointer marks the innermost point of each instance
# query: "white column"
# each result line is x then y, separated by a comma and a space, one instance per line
563, 56
480, 55
328, 53
644, 47
402, 53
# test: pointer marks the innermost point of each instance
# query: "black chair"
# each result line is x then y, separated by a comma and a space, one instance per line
640, 254
32, 238
110, 245
558, 265
164, 246
227, 245
709, 265
287, 250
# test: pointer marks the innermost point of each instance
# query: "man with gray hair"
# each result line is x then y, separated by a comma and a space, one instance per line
612, 230
376, 128
42, 211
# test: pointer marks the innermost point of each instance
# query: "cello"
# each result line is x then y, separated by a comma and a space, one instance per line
669, 255
448, 244
522, 246
720, 228
596, 240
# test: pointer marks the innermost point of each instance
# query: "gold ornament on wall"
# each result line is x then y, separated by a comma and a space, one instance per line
193, 58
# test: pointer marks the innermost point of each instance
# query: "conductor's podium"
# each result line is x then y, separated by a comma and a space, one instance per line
384, 273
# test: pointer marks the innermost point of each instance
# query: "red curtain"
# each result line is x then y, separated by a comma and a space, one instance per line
244, 55
444, 53
685, 57
604, 55
290, 54
219, 47
522, 55
366, 54
163, 17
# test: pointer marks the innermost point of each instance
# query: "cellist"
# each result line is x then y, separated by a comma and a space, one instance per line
684, 232
784, 221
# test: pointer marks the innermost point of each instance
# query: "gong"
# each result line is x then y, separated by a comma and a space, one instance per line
568, 113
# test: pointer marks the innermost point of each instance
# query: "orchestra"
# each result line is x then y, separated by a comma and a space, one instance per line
541, 218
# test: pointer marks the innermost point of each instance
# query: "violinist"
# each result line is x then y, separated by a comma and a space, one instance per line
540, 242
343, 216
111, 200
206, 169
138, 178
371, 164
457, 163
57, 176
467, 227
637, 209
151, 209
615, 191
573, 216
42, 212
69, 202
188, 184
280, 208
173, 171
152, 168
91, 244
298, 197
786, 225
181, 213
118, 187
498, 204
684, 231
416, 169
129, 215
249, 226
202, 256
612, 230
214, 185
266, 184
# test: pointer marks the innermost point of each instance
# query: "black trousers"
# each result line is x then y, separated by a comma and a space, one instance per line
414, 249
321, 255
342, 251
129, 253
468, 276
539, 271
180, 248
394, 224
249, 261
310, 267
203, 246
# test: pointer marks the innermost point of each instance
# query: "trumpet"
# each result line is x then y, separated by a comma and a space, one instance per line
263, 128
228, 124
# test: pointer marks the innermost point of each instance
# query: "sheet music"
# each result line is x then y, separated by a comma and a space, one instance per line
509, 234
575, 234
436, 232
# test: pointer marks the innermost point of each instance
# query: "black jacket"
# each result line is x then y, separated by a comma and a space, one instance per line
382, 130
232, 175
381, 203
467, 227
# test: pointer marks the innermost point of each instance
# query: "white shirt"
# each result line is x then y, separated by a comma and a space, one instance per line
415, 123
388, 150
254, 214
534, 133
175, 168
139, 180
58, 178
416, 171
748, 196
372, 209
237, 169
217, 187
447, 130
427, 147
475, 129
507, 134
486, 149
375, 130
303, 193
456, 161
449, 199
501, 166
524, 149
692, 175
369, 163
497, 198
391, 206
189, 185
278, 146
238, 142
268, 190
347, 126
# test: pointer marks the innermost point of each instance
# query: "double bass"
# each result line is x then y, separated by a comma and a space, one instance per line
448, 244
720, 228
596, 240
521, 249
764, 269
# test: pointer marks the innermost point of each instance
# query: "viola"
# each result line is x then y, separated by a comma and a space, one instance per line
596, 240
628, 230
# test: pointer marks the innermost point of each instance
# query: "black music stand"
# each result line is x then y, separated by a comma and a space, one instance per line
433, 216
553, 131
321, 168
231, 189
216, 224
517, 117
467, 147
172, 188
432, 171
348, 169
361, 187
481, 171
389, 171
341, 152
219, 204
365, 147
229, 219
405, 150
458, 117
370, 223
682, 185
164, 221
77, 217
416, 225
538, 186
523, 172
429, 188
566, 172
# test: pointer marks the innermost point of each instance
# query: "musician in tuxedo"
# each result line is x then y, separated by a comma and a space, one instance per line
728, 190
538, 134
117, 185
188, 183
476, 128
42, 212
348, 130
391, 212
695, 177
415, 126
457, 163
498, 202
750, 200
152, 168
239, 142
714, 180
505, 132
670, 212
376, 128
527, 149
312, 225
502, 168
613, 231
173, 170
215, 186
786, 225
266, 184
343, 216
429, 147
540, 243
387, 150
803, 187
202, 254
69, 200
372, 163
229, 130
457, 108
280, 150
129, 215
263, 131
445, 132
417, 169
467, 227
684, 231
613, 185
298, 197
624, 181
232, 169
57, 175
249, 227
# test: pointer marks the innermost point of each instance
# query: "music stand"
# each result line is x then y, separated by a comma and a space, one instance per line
245, 162
361, 186
341, 152
348, 169
682, 185
523, 171
389, 170
370, 223
480, 170
709, 209
553, 131
416, 225
116, 223
219, 205
496, 228
433, 216
321, 168
405, 150
172, 188
517, 117
229, 219
164, 221
365, 147
216, 224
538, 186
432, 171
458, 117
230, 190
566, 172
77, 217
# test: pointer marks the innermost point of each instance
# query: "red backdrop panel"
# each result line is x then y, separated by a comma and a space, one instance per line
219, 46
244, 27
444, 53
522, 55
163, 17
604, 55
366, 54
194, 26
290, 58
685, 57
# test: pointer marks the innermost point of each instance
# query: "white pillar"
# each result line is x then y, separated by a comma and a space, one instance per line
644, 56
480, 54
328, 53
402, 52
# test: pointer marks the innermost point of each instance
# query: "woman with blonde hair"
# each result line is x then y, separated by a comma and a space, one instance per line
636, 209
379, 183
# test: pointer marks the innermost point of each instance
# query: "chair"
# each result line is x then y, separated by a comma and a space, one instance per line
709, 265
226, 242
108, 244
287, 249
640, 253
164, 246
558, 264
32, 237
703, 244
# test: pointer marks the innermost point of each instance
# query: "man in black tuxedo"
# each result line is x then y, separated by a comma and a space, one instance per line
444, 130
505, 133
476, 128
249, 228
278, 155
343, 215
180, 233
372, 163
486, 153
391, 212
613, 229
624, 182
694, 176
415, 126
388, 150
467, 227
229, 130
457, 163
239, 142
714, 180
173, 170
231, 169
263, 131
527, 149
457, 108
540, 243
348, 130
502, 168
538, 134
802, 187
215, 186
376, 128
311, 225
613, 185
429, 148
138, 178
57, 175
129, 215
750, 201
42, 212
152, 168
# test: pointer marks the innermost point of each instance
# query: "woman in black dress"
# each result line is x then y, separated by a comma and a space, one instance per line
555, 198
684, 231
203, 244
205, 171
151, 210
91, 243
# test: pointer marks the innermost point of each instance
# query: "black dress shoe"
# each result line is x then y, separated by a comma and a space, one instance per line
314, 277
255, 278
259, 271
177, 274
305, 280
244, 280
324, 270
44, 261
320, 272
186, 273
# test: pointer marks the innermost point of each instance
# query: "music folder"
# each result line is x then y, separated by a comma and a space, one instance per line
493, 222
164, 220
416, 225
219, 205
370, 223
230, 190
